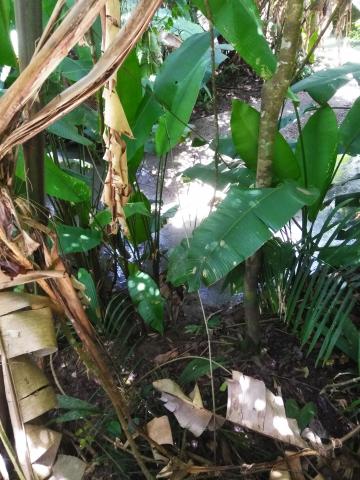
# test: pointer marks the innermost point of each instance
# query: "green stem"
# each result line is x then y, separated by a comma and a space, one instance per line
304, 210
28, 16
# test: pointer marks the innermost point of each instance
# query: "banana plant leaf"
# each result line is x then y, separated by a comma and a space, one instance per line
240, 24
320, 141
245, 122
350, 130
7, 55
242, 223
58, 183
177, 87
324, 84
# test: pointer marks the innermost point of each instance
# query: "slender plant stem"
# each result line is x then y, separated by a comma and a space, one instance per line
304, 210
29, 27
214, 99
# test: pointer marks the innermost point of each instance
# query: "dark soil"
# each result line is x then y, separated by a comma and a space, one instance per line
281, 364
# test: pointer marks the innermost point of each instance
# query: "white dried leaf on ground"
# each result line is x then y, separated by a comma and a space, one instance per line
188, 414
252, 405
68, 467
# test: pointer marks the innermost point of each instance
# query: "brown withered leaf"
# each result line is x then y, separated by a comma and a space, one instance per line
159, 430
165, 357
189, 412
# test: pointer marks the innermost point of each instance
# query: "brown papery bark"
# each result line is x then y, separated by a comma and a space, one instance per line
73, 96
66, 36
272, 97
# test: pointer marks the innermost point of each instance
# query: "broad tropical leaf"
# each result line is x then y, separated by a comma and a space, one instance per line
324, 84
245, 122
76, 239
58, 183
146, 296
177, 87
64, 129
74, 70
129, 87
133, 208
242, 223
146, 116
92, 301
320, 137
350, 130
240, 24
244, 177
7, 56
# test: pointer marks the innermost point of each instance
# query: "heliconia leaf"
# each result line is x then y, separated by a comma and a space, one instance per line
245, 122
146, 296
320, 138
240, 24
349, 138
177, 87
324, 84
242, 223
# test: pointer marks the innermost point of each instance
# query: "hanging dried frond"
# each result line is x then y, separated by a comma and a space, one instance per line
116, 189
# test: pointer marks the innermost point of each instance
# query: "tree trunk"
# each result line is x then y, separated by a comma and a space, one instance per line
272, 97
28, 15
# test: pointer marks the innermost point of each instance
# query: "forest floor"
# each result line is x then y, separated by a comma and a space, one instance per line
181, 353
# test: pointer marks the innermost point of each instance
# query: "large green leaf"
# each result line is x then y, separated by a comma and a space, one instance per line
149, 303
7, 56
93, 306
349, 139
64, 129
324, 84
177, 87
225, 176
242, 223
240, 24
74, 70
320, 138
139, 222
58, 183
129, 87
76, 239
245, 122
146, 116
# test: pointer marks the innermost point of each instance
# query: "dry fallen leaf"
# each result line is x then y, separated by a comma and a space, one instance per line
252, 405
159, 430
189, 413
165, 357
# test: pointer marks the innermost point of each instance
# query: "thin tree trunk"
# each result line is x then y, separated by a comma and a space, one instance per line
272, 98
28, 15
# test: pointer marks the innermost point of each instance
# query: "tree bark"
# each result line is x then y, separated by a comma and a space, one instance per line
272, 97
